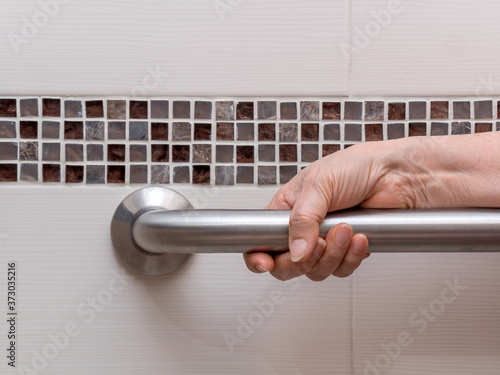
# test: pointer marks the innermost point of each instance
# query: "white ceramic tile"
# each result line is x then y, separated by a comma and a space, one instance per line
59, 237
199, 47
442, 47
458, 332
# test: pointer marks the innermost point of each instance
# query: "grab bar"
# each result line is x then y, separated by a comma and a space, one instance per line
155, 230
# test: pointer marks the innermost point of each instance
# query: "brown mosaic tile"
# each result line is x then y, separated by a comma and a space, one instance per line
181, 175
202, 110
73, 108
287, 172
395, 131
28, 151
202, 153
73, 129
96, 174
224, 153
74, 174
28, 129
181, 131
159, 153
331, 132
244, 111
8, 108
331, 110
8, 172
50, 130
138, 174
288, 132
51, 152
159, 131
138, 109
483, 109
353, 132
374, 132
51, 172
417, 129
138, 153
353, 110
29, 108
74, 152
159, 109
267, 153
288, 153
29, 172
245, 131
202, 132
224, 110
418, 110
498, 110
116, 174
8, 129
330, 149
94, 130
483, 127
138, 130
95, 152
439, 110
463, 127
180, 153
374, 111
267, 132
116, 109
309, 111
396, 111
347, 146
224, 175
461, 110
181, 109
116, 153
244, 154
288, 111
201, 174
310, 153
310, 132
225, 131
8, 151
95, 108
266, 175
439, 128
267, 110
160, 174
116, 130
51, 107
244, 175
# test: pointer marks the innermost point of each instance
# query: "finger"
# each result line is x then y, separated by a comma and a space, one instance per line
285, 198
259, 262
354, 256
338, 240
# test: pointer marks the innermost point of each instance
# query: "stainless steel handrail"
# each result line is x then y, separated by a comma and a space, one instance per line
155, 230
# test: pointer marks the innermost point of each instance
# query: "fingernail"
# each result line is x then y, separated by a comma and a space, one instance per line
298, 250
343, 235
360, 243
320, 248
260, 268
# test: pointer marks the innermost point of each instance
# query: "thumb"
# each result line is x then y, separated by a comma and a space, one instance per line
307, 213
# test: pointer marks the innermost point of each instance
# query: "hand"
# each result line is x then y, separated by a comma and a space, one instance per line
364, 175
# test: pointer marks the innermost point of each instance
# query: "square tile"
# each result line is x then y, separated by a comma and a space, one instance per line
202, 153
417, 129
94, 108
266, 175
225, 131
116, 153
482, 127
159, 109
309, 111
461, 110
418, 110
95, 152
374, 132
331, 110
288, 111
29, 172
28, 151
202, 110
353, 132
224, 110
73, 109
138, 153
7, 129
224, 153
159, 153
310, 153
116, 174
201, 174
181, 131
439, 128
483, 109
75, 174
244, 175
8, 172
50, 129
202, 132
8, 108
51, 172
288, 132
28, 129
463, 127
51, 107
224, 175
180, 153
94, 130
138, 174
51, 152
288, 153
374, 111
73, 129
160, 174
310, 132
181, 175
244, 111
138, 109
245, 131
116, 109
138, 131
267, 132
29, 108
116, 130
96, 174
182, 109
353, 110
395, 131
396, 111
244, 154
74, 152
439, 110
266, 110
331, 132
287, 172
159, 131
8, 151
267, 153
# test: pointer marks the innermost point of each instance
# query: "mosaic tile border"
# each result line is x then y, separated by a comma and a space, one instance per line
209, 141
